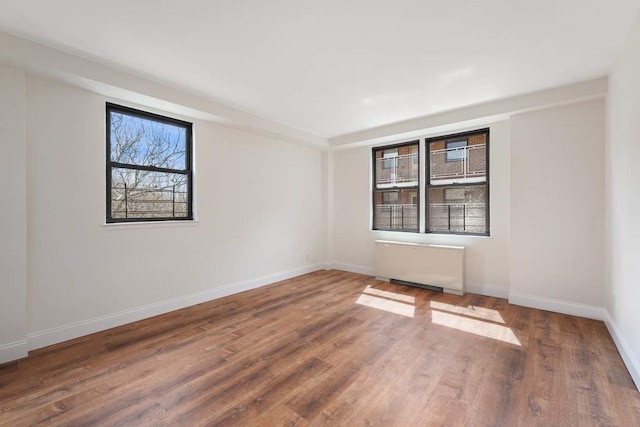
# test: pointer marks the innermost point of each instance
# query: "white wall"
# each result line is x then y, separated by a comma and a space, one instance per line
547, 212
259, 208
557, 203
353, 240
623, 200
13, 230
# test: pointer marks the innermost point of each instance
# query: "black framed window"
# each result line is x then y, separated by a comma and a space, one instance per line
396, 177
149, 166
457, 190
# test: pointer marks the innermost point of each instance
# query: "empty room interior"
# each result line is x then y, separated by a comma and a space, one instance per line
320, 213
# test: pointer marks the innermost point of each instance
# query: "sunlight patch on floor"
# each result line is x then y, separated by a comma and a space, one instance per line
386, 305
472, 311
388, 294
477, 327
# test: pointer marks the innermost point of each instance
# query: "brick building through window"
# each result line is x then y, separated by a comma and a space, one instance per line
395, 188
458, 184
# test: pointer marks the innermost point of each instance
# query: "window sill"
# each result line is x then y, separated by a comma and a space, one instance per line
435, 236
376, 230
149, 224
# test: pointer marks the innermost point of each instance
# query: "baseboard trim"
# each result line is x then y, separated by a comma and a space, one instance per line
352, 268
629, 359
488, 290
51, 336
558, 306
13, 350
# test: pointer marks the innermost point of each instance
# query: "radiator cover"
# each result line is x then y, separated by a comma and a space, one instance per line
434, 265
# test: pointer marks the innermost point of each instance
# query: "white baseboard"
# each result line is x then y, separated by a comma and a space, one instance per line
558, 306
588, 311
360, 269
323, 266
64, 333
488, 290
630, 360
13, 350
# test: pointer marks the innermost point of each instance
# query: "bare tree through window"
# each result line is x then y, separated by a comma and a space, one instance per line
148, 167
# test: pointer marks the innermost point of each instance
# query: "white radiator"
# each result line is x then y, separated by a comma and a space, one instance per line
435, 265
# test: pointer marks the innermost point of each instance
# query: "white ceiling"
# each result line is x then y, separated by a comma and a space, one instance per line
332, 67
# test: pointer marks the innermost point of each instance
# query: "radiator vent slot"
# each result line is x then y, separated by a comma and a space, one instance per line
417, 285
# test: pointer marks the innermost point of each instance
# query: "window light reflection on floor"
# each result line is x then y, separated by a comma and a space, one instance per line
390, 306
472, 311
485, 323
391, 295
477, 327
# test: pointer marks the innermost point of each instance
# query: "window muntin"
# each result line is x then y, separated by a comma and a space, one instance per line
395, 187
458, 184
149, 167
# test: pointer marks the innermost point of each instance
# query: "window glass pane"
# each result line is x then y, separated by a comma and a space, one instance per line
456, 151
459, 209
390, 197
146, 142
396, 209
458, 161
390, 158
397, 167
147, 194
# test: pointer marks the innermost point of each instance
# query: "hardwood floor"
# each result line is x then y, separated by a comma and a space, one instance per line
330, 348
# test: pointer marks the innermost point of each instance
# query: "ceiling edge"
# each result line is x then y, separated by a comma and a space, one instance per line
474, 115
111, 82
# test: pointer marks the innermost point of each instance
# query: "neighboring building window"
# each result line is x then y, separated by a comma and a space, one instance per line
454, 195
390, 197
456, 151
149, 167
458, 183
390, 159
395, 187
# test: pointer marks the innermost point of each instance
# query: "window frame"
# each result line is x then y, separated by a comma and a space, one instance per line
416, 187
428, 185
188, 171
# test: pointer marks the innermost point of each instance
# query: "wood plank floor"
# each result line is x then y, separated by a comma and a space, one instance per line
330, 348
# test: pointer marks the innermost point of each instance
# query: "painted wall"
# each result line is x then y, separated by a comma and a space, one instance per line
13, 230
557, 203
623, 198
353, 241
259, 207
545, 166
